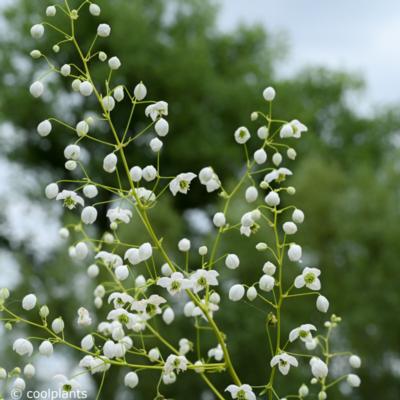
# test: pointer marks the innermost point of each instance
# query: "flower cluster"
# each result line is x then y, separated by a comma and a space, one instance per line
141, 290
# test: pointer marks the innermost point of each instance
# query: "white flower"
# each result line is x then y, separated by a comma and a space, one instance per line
82, 128
175, 363
298, 128
87, 342
122, 272
242, 135
353, 380
119, 93
46, 348
109, 259
290, 228
169, 378
23, 347
120, 299
114, 63
29, 302
104, 30
119, 214
210, 179
322, 304
44, 128
277, 158
184, 245
269, 268
298, 216
29, 371
72, 152
110, 163
303, 332
286, 131
219, 219
295, 252
86, 88
156, 145
251, 194
145, 251
278, 175
149, 173
156, 110
65, 384
203, 278
140, 91
51, 11
19, 385
251, 293
241, 392
318, 368
232, 261
136, 173
81, 251
57, 325
36, 89
236, 292
284, 361
260, 156
37, 31
355, 361
216, 353
108, 103
94, 9
266, 283
89, 215
131, 380
71, 199
272, 199
269, 93
181, 183
168, 315
84, 318
308, 278
291, 153
161, 127
175, 283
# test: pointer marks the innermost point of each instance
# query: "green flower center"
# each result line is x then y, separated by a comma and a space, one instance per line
309, 278
123, 319
175, 285
202, 281
67, 387
241, 395
69, 202
183, 184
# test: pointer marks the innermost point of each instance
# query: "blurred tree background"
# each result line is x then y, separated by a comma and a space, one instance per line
346, 180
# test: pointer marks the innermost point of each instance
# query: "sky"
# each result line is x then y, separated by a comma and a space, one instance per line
355, 35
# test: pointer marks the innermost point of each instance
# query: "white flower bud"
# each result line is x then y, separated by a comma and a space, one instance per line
87, 342
23, 347
72, 152
29, 371
102, 56
269, 268
286, 131
254, 116
272, 199
290, 228
89, 215
81, 250
355, 361
76, 84
168, 315
57, 325
219, 219
85, 88
188, 309
44, 128
114, 63
266, 283
260, 156
261, 246
19, 385
322, 304
71, 165
122, 272
277, 158
110, 163
303, 390
90, 191
36, 89
29, 302
64, 233
51, 11
145, 251
104, 30
44, 312
215, 298
108, 103
294, 252
82, 128
46, 348
291, 190
156, 145
119, 93
136, 173
298, 216
251, 293
161, 127
149, 173
269, 93
140, 91
184, 245
291, 153
318, 368
236, 292
35, 54
37, 31
56, 48
65, 70
232, 261
51, 191
131, 380
166, 270
203, 250
98, 302
154, 354
322, 396
93, 271
94, 9
262, 132
251, 194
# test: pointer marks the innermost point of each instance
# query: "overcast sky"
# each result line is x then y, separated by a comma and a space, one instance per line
356, 35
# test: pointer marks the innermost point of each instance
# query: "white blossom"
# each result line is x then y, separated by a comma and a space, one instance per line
136, 173
284, 362
184, 245
87, 343
84, 318
118, 93
278, 175
251, 293
29, 371
57, 325
260, 156
51, 11
119, 214
70, 198
219, 219
318, 368
46, 348
242, 135
154, 354
72, 152
29, 302
23, 347
82, 128
277, 159
86, 88
156, 110
203, 278
122, 272
175, 283
251, 194
89, 215
149, 173
290, 228
269, 268
181, 183
90, 191
242, 392
262, 132
108, 103
168, 315
81, 250
210, 179
272, 199
175, 363
156, 145
308, 278
104, 30
303, 332
298, 216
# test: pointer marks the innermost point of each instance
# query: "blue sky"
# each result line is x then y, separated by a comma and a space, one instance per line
355, 35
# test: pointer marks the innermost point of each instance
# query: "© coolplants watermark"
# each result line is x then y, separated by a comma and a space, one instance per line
141, 289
